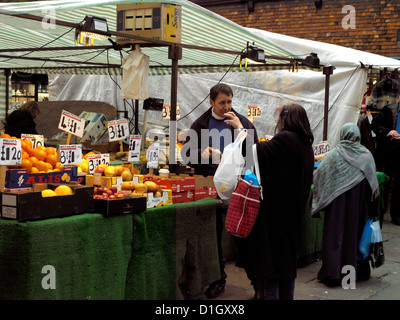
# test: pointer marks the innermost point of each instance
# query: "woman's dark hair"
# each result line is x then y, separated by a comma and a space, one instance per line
293, 117
220, 88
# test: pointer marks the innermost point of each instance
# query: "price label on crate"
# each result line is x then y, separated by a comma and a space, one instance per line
71, 123
166, 111
118, 129
37, 139
152, 155
322, 148
10, 152
253, 111
135, 142
96, 159
70, 154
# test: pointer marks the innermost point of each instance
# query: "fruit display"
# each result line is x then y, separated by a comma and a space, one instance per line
109, 193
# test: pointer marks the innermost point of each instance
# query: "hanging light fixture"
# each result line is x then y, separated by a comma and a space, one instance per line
254, 53
92, 28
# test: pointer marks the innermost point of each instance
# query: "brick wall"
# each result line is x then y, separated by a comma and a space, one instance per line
376, 21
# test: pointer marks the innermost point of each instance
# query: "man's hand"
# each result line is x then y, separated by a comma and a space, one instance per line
394, 134
233, 120
215, 154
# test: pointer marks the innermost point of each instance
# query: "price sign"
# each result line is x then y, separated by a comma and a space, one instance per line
253, 111
134, 147
71, 123
96, 159
37, 139
152, 155
166, 111
10, 152
118, 129
322, 148
70, 154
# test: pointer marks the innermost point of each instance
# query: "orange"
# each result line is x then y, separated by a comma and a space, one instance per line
34, 170
40, 153
59, 166
34, 160
41, 165
50, 150
63, 190
26, 164
25, 155
31, 152
49, 167
52, 159
5, 136
28, 143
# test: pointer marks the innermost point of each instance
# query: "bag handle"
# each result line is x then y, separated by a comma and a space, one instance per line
256, 168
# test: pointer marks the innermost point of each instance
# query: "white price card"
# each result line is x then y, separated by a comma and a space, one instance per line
96, 159
166, 111
322, 148
70, 154
71, 123
118, 129
37, 139
135, 142
152, 155
253, 111
10, 152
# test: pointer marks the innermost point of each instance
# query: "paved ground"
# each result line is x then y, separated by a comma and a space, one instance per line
384, 283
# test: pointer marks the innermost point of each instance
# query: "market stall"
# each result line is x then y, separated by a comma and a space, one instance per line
93, 256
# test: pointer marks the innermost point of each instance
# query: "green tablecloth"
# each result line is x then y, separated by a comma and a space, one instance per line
111, 257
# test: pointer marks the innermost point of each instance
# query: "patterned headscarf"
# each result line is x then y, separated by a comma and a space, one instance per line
343, 168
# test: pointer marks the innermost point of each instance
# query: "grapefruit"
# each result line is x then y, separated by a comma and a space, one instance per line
63, 190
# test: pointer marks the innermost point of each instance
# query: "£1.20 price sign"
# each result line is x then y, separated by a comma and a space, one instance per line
10, 152
70, 154
134, 147
152, 155
118, 130
71, 123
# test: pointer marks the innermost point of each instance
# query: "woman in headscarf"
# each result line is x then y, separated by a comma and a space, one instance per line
345, 188
269, 254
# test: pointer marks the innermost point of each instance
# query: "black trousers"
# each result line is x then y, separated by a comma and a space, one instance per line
221, 214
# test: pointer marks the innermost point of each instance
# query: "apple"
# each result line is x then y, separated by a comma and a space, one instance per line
109, 192
120, 196
114, 189
118, 170
99, 170
112, 197
105, 195
100, 191
97, 196
126, 175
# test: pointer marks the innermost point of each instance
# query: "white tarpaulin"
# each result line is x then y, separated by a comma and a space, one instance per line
270, 89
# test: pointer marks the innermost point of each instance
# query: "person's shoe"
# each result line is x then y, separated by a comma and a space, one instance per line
215, 289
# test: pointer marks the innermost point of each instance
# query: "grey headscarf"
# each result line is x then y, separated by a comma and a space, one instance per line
343, 168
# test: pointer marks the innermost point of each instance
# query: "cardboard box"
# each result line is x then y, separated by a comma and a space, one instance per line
96, 129
204, 187
185, 196
178, 183
160, 21
23, 206
127, 205
205, 193
21, 178
164, 200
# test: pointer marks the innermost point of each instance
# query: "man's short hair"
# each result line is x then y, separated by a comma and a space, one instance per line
220, 88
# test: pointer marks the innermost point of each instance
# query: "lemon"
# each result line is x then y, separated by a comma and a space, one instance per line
48, 193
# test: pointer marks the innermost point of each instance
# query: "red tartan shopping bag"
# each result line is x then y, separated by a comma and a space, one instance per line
244, 205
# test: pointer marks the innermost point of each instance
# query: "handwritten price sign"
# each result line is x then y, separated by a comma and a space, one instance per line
118, 129
152, 155
70, 154
134, 147
37, 139
322, 148
71, 123
166, 111
253, 111
96, 159
10, 152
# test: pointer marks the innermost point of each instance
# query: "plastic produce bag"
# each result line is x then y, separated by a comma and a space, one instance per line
377, 254
364, 246
135, 75
230, 168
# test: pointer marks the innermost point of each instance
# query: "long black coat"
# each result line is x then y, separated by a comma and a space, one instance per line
286, 168
18, 122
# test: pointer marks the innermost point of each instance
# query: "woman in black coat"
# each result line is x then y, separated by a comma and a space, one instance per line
269, 254
22, 120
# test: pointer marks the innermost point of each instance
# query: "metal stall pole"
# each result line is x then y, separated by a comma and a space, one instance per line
175, 54
327, 71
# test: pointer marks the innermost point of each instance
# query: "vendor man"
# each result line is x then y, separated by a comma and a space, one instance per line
204, 145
